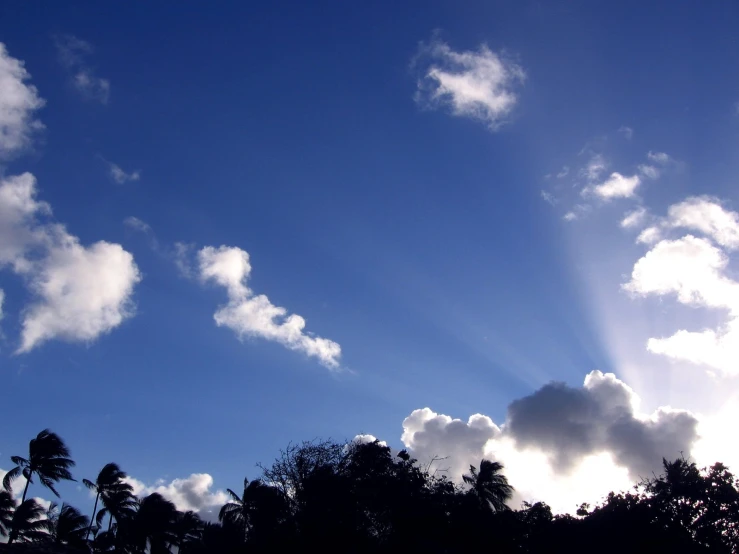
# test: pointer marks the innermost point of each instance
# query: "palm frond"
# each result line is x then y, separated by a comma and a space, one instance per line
11, 476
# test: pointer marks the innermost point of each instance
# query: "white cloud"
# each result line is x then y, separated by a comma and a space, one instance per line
548, 197
480, 85
616, 186
555, 438
191, 493
137, 224
80, 291
254, 315
120, 176
594, 168
627, 132
705, 214
570, 216
2, 301
18, 102
364, 439
634, 218
650, 235
694, 270
564, 172
73, 54
659, 157
649, 171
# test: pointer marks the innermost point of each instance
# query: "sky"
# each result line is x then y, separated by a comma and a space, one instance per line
499, 229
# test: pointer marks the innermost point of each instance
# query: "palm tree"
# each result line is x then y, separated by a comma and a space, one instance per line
236, 512
154, 524
28, 523
7, 507
109, 485
48, 458
188, 531
67, 525
489, 485
118, 503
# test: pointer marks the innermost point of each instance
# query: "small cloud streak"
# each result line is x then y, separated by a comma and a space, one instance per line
73, 53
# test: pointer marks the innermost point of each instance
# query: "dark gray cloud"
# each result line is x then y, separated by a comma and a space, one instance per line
569, 423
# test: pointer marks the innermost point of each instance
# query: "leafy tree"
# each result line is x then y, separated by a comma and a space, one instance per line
187, 531
489, 485
48, 458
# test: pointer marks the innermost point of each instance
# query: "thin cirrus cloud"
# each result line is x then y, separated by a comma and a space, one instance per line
121, 177
73, 55
553, 436
693, 269
18, 103
481, 85
250, 315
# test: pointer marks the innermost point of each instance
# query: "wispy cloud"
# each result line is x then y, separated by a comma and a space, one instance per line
121, 177
626, 131
18, 102
73, 54
616, 186
481, 85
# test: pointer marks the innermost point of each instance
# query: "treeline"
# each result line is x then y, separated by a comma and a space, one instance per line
324, 496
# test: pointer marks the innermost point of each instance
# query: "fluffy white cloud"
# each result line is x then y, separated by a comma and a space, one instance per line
561, 444
18, 102
194, 493
659, 157
650, 235
694, 270
616, 186
649, 171
708, 216
253, 315
120, 176
570, 216
481, 85
634, 218
80, 291
73, 54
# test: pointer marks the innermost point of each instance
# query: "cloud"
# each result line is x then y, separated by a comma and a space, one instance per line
548, 197
649, 171
634, 218
2, 301
561, 444
120, 176
254, 315
18, 102
191, 493
563, 172
706, 215
570, 216
481, 85
627, 132
137, 224
594, 168
694, 271
80, 291
616, 186
659, 157
650, 235
73, 53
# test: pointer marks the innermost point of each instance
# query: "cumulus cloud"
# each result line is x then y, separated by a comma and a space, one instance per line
708, 216
253, 315
194, 493
80, 292
73, 54
481, 85
18, 102
594, 168
695, 272
120, 176
616, 186
650, 235
649, 171
659, 157
558, 437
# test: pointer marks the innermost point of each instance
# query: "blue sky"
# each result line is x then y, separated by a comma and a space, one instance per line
437, 190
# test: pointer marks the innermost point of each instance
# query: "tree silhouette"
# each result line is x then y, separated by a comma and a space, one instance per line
187, 531
489, 485
66, 525
29, 523
7, 507
48, 458
111, 487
